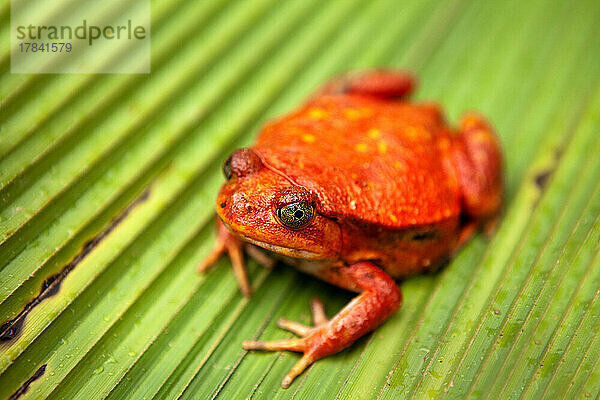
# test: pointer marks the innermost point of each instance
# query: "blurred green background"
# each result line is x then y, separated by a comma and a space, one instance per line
107, 185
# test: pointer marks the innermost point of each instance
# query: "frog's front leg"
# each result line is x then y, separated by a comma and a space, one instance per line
226, 242
379, 298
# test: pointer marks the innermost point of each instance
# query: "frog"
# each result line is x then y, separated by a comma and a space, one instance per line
360, 187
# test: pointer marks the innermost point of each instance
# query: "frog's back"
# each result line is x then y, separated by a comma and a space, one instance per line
377, 161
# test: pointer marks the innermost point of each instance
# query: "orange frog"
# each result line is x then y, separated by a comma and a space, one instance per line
357, 187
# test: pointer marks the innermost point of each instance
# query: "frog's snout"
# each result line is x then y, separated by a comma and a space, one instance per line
242, 162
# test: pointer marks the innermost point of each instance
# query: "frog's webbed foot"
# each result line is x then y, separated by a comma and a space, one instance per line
380, 297
319, 320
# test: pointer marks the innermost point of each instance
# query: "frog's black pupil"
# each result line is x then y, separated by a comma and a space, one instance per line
227, 168
295, 215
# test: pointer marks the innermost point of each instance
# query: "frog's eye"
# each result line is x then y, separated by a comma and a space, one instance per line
296, 215
227, 168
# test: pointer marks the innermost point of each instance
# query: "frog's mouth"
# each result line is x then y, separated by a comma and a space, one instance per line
286, 251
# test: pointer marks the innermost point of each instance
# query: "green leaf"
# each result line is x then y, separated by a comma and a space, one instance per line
107, 184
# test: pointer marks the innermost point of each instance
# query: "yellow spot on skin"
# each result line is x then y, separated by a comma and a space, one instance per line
399, 165
382, 147
318, 113
470, 121
483, 136
308, 138
354, 176
373, 133
361, 147
393, 218
416, 132
356, 113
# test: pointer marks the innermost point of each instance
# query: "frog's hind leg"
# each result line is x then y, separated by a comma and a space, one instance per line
380, 297
380, 83
478, 161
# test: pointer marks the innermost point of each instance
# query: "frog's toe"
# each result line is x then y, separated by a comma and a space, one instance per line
308, 343
236, 255
272, 345
318, 312
212, 257
295, 327
302, 345
300, 366
319, 319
